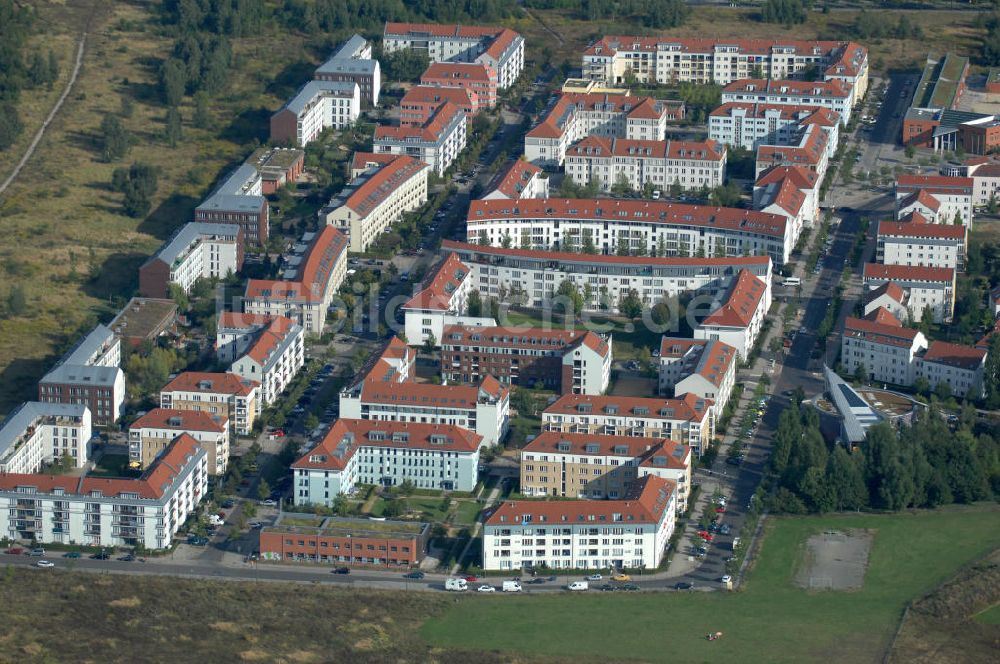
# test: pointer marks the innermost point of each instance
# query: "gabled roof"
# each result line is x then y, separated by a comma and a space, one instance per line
631, 447
742, 300
272, 338
908, 273
181, 420
459, 72
801, 177
441, 286
431, 131
835, 88
689, 408
422, 94
607, 147
882, 316
523, 337
955, 355
892, 334
922, 197
314, 275
889, 288
917, 227
931, 182
211, 383
376, 187
512, 182
237, 320
362, 161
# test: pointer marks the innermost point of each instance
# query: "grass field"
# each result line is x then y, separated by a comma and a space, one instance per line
990, 616
770, 621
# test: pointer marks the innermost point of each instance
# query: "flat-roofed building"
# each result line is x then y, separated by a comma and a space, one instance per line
89, 375
196, 251
277, 167
36, 432
239, 199
353, 62
316, 107
218, 394
151, 435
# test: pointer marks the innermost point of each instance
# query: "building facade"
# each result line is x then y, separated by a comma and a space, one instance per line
441, 300
345, 541
196, 251
959, 367
738, 318
481, 79
151, 434
239, 199
35, 433
884, 350
437, 142
217, 394
520, 180
89, 375
953, 196
915, 242
420, 103
614, 161
925, 287
273, 358
749, 125
352, 62
316, 107
834, 94
703, 367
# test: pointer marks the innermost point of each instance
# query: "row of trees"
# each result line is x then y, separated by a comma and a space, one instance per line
786, 12
877, 25
653, 13
315, 16
18, 70
923, 465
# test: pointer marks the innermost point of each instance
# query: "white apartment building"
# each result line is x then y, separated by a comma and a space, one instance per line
354, 452
705, 368
888, 296
35, 433
835, 94
234, 332
218, 394
749, 125
312, 277
576, 465
196, 251
738, 316
376, 199
151, 434
629, 533
884, 348
688, 420
985, 181
670, 60
316, 107
441, 300
775, 192
646, 228
521, 180
89, 374
500, 48
107, 512
437, 143
353, 62
531, 278
924, 287
608, 161
273, 358
810, 152
915, 242
961, 368
939, 198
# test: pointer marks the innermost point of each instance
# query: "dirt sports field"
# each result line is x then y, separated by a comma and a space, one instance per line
835, 560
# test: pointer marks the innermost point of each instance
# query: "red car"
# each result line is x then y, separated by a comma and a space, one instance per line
720, 510
277, 433
705, 535
472, 578
15, 551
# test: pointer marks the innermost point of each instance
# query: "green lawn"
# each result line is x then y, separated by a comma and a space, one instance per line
113, 465
990, 616
771, 621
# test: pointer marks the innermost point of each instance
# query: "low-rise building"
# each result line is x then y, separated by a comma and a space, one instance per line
437, 142
316, 107
35, 433
217, 394
89, 375
939, 198
352, 62
739, 316
151, 434
959, 367
273, 357
613, 161
277, 167
835, 94
570, 362
480, 78
239, 199
520, 180
703, 367
313, 277
883, 348
926, 288
196, 251
344, 541
578, 465
442, 457
107, 512
563, 534
688, 420
913, 241
376, 199
145, 320
421, 102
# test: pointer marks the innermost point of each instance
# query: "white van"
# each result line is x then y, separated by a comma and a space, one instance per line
579, 585
456, 585
736, 542
792, 281
511, 586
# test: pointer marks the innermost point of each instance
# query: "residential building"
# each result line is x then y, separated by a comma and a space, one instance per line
644, 227
570, 362
354, 542
775, 192
353, 63
531, 278
275, 355
834, 94
441, 457
580, 465
671, 60
316, 107
913, 241
151, 434
145, 320
925, 287
563, 534
480, 78
107, 512
442, 300
738, 317
89, 375
421, 101
809, 152
953, 197
500, 48
234, 332
688, 419
614, 161
959, 367
437, 142
239, 199
985, 181
703, 367
277, 167
884, 349
387, 392
520, 180
217, 394
196, 251
376, 199
312, 278
35, 433
749, 125
889, 296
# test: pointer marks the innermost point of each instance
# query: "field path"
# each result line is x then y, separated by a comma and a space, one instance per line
52, 114
545, 25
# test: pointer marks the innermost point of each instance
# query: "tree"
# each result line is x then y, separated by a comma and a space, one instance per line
311, 421
115, 139
173, 131
909, 151
860, 372
846, 481
786, 12
173, 80
474, 304
506, 241
957, 221
126, 108
943, 391
10, 124
202, 118
631, 305
622, 185
484, 238
623, 246
430, 343
263, 489
588, 243
569, 298
16, 301
53, 68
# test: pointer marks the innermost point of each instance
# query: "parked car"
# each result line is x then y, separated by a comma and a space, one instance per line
578, 585
621, 577
683, 585
269, 502
512, 586
630, 586
726, 578
536, 581
104, 555
37, 552
416, 574
15, 551
71, 554
45, 563
195, 541
229, 503
472, 578
342, 570
486, 589
594, 577
127, 558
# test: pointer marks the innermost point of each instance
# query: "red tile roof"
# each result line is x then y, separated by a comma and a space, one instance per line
385, 366
631, 210
315, 274
501, 43
523, 337
345, 437
809, 151
919, 229
835, 88
954, 355
740, 304
210, 383
882, 316
365, 160
181, 420
553, 124
921, 196
787, 196
431, 130
913, 217
438, 30
908, 273
603, 146
458, 71
879, 333
803, 178
235, 320
581, 444
378, 186
677, 347
270, 338
685, 408
889, 288
647, 499
422, 94
759, 110
511, 182
908, 182
442, 284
